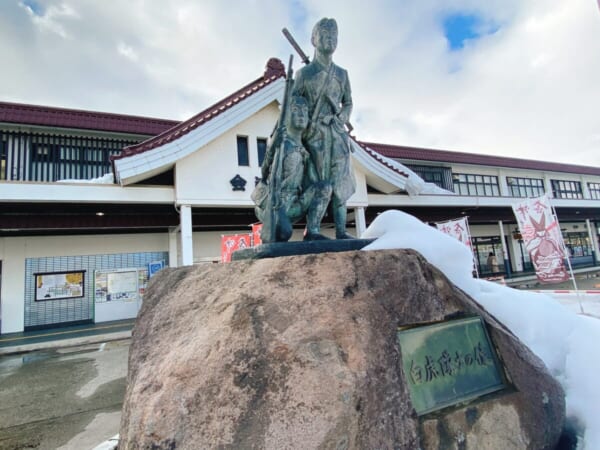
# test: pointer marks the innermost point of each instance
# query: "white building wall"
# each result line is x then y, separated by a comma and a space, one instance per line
202, 178
14, 251
503, 172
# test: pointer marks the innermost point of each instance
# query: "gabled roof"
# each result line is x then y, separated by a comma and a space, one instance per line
87, 120
426, 155
274, 70
379, 158
140, 161
159, 153
381, 173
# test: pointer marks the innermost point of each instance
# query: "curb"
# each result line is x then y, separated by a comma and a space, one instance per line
115, 336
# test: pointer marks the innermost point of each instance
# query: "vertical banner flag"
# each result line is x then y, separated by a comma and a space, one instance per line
459, 229
541, 236
256, 228
231, 243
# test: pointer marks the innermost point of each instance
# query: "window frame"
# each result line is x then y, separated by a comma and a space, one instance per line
525, 187
261, 147
243, 154
476, 185
594, 190
559, 189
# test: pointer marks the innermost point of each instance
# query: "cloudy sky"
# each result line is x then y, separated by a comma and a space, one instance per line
506, 77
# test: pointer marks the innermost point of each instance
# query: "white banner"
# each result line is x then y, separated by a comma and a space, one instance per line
541, 235
458, 228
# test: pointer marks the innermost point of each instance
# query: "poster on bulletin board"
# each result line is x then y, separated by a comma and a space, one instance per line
116, 285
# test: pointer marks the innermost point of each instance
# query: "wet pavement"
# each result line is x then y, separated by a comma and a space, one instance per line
67, 399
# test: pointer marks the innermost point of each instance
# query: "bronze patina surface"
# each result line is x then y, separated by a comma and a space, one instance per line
448, 363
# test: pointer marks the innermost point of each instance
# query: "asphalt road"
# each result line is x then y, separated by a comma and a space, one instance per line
67, 399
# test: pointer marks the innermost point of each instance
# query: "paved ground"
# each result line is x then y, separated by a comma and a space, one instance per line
67, 399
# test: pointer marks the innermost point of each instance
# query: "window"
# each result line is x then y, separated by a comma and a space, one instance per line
594, 190
578, 244
525, 187
242, 150
479, 185
261, 145
440, 176
566, 189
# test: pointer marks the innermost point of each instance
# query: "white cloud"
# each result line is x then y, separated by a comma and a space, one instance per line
51, 19
529, 90
127, 51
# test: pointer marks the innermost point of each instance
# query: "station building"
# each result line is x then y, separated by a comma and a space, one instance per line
92, 203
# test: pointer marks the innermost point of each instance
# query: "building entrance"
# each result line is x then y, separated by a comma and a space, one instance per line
483, 247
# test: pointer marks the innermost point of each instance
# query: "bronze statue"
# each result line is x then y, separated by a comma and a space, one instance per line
307, 164
327, 89
293, 186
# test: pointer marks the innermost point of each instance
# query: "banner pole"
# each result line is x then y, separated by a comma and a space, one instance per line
475, 259
568, 256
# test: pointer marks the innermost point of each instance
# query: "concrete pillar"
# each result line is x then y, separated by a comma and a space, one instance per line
504, 249
173, 247
593, 240
13, 286
359, 220
548, 186
187, 244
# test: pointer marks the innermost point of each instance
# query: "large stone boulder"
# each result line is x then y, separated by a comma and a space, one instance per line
301, 352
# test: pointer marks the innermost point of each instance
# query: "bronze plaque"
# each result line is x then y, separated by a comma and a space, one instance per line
448, 363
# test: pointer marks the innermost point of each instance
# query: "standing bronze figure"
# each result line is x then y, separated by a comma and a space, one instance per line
326, 88
307, 165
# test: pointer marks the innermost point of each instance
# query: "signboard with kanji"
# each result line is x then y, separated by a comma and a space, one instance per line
448, 363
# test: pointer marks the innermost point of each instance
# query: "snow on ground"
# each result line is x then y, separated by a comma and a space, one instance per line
565, 341
589, 303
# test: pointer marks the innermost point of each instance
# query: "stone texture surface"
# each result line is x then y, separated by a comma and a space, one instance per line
300, 352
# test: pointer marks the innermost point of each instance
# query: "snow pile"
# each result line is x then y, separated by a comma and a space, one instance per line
565, 341
104, 179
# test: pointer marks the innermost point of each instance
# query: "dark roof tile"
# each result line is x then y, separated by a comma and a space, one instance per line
88, 120
427, 154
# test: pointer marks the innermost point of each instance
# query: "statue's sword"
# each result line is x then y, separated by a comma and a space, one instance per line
298, 49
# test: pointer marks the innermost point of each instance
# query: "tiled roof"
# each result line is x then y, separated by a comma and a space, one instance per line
79, 119
274, 70
377, 156
426, 154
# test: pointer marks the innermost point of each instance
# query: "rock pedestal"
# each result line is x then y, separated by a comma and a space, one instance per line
301, 352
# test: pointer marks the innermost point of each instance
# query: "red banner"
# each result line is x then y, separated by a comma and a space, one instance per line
231, 243
542, 238
256, 228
